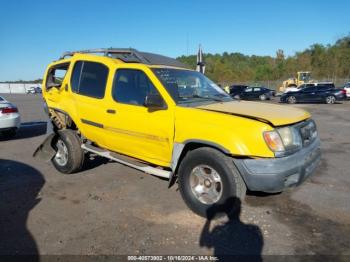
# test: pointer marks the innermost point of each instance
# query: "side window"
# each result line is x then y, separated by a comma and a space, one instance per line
322, 87
56, 75
310, 89
93, 79
132, 86
89, 79
249, 89
75, 79
257, 89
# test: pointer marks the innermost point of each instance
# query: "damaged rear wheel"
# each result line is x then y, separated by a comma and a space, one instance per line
69, 157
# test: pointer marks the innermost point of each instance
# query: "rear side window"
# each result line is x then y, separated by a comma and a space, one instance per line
310, 89
323, 87
56, 75
89, 79
132, 86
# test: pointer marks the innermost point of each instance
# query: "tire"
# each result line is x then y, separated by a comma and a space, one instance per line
263, 97
330, 99
232, 185
11, 133
69, 156
237, 97
291, 100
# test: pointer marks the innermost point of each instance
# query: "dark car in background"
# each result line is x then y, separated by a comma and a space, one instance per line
236, 90
319, 92
252, 93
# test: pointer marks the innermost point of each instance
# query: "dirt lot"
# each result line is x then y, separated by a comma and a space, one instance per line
112, 209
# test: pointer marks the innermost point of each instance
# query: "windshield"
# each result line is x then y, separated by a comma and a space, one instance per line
187, 86
305, 76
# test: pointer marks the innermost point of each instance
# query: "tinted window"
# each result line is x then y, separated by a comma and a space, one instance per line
76, 76
309, 89
93, 79
323, 87
257, 89
132, 86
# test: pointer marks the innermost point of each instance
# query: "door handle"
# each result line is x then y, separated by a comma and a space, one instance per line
111, 111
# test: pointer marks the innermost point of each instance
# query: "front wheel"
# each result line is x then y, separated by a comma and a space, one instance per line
237, 97
209, 179
291, 100
69, 155
330, 100
263, 97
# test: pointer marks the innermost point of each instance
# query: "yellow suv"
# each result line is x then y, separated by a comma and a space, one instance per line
151, 113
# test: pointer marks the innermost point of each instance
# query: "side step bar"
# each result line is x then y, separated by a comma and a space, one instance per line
122, 160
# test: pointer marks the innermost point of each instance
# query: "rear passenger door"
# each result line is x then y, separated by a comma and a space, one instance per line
88, 83
321, 92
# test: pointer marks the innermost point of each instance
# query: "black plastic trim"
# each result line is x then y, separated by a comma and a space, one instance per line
91, 123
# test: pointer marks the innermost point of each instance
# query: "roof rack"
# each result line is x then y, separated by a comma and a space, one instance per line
127, 54
130, 55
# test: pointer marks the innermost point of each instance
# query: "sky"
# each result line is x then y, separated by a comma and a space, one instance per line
34, 33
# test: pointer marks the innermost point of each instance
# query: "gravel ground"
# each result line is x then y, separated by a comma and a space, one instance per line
112, 209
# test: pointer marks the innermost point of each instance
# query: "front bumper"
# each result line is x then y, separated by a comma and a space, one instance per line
277, 174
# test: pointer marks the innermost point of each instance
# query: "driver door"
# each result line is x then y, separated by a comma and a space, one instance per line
131, 127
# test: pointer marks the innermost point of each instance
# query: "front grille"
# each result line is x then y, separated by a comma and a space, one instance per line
308, 132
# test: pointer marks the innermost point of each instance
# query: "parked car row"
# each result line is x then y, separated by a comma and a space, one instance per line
323, 92
10, 119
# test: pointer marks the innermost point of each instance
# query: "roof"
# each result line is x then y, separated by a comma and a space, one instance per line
130, 55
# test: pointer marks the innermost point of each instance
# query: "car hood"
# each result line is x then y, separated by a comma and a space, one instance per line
276, 115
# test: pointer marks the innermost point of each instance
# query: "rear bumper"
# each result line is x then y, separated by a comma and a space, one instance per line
277, 174
11, 121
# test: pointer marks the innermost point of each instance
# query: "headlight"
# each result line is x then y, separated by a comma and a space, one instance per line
283, 140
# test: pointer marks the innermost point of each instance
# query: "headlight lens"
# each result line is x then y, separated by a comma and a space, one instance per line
285, 139
290, 137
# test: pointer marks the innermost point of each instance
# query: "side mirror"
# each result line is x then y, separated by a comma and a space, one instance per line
154, 101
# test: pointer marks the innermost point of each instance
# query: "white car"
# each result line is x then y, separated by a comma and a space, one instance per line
347, 90
34, 90
10, 119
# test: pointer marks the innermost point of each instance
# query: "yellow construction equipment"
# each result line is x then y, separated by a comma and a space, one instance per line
302, 78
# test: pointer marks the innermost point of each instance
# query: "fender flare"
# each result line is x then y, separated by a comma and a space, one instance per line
178, 150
